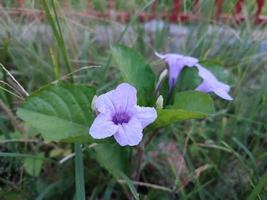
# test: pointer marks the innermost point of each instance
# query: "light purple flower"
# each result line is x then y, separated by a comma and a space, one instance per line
176, 64
121, 117
210, 83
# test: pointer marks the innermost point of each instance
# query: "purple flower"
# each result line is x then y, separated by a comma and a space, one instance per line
210, 83
121, 117
176, 64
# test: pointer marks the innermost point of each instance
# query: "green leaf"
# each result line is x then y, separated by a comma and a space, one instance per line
169, 116
135, 71
33, 166
59, 112
194, 101
188, 79
105, 153
187, 105
114, 159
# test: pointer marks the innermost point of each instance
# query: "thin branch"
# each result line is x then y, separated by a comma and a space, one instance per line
11, 87
150, 185
8, 91
13, 78
139, 158
72, 155
151, 136
75, 71
16, 124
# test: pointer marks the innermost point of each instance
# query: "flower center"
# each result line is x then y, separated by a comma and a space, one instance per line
120, 118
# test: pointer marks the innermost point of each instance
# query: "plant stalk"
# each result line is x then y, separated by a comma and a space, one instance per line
79, 172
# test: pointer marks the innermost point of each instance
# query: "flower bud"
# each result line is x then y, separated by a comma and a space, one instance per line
93, 107
159, 102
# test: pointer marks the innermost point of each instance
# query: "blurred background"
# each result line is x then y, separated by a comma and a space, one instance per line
222, 157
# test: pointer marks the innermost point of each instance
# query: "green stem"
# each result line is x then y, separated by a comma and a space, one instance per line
79, 175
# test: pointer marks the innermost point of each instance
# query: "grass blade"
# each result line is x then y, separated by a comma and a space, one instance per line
256, 191
79, 176
47, 190
54, 23
22, 155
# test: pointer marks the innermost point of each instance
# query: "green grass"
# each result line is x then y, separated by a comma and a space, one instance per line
232, 143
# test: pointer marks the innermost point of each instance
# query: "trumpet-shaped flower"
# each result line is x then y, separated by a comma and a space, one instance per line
176, 64
210, 83
120, 116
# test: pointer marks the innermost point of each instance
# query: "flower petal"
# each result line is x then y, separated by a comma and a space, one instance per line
223, 94
104, 103
211, 84
120, 99
145, 115
124, 97
129, 133
176, 64
205, 74
175, 69
204, 87
224, 86
103, 127
189, 61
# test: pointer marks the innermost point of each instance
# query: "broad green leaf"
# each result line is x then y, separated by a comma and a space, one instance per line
194, 101
135, 71
169, 116
33, 166
188, 79
187, 105
59, 112
114, 159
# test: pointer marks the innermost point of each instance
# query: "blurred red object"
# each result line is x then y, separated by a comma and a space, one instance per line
174, 15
